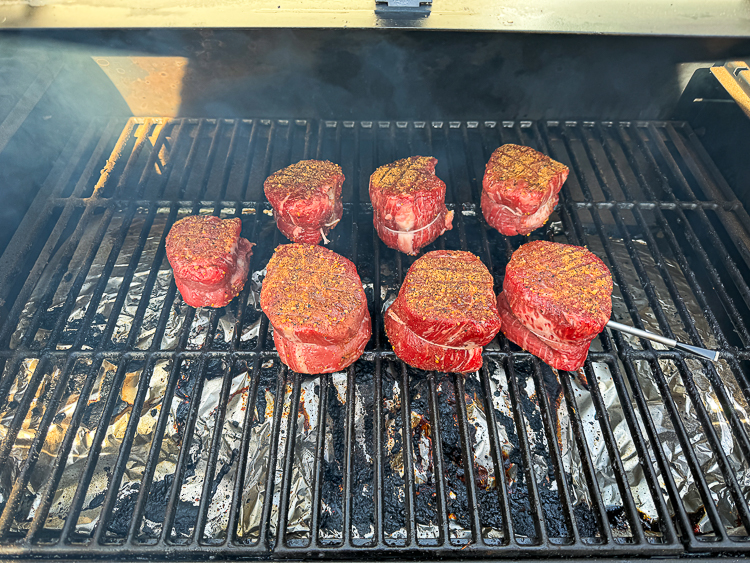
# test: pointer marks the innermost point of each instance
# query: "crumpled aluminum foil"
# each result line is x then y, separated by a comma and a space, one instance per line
256, 469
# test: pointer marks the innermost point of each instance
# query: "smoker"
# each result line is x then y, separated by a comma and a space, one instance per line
135, 427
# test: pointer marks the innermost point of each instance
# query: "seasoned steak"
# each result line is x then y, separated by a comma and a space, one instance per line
317, 307
561, 294
408, 203
306, 199
520, 189
209, 259
568, 357
445, 313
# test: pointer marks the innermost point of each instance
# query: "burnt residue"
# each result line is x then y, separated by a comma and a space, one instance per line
332, 469
457, 500
394, 486
425, 495
515, 475
554, 516
485, 472
363, 461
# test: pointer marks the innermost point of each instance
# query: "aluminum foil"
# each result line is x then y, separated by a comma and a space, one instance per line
205, 387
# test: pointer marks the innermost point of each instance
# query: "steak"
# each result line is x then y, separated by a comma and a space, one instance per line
556, 298
408, 203
306, 199
444, 314
209, 259
520, 189
315, 302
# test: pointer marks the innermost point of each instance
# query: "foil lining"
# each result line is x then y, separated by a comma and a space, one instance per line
274, 392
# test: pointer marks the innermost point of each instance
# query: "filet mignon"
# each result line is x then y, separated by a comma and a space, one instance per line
520, 189
556, 298
317, 307
408, 203
306, 199
209, 259
444, 314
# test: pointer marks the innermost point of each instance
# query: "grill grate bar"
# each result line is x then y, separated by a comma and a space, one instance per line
690, 324
439, 466
612, 163
549, 426
408, 453
726, 468
200, 524
67, 213
13, 258
731, 267
319, 454
286, 482
609, 438
264, 540
682, 260
664, 325
614, 455
468, 460
232, 525
41, 513
665, 521
21, 481
518, 415
155, 451
588, 466
123, 458
91, 461
44, 302
497, 460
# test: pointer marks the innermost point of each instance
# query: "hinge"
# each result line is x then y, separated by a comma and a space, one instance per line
409, 6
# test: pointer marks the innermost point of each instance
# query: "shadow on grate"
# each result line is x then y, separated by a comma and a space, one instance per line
136, 426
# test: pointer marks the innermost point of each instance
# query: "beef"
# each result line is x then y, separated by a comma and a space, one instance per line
306, 199
520, 189
556, 298
315, 302
408, 203
209, 259
570, 358
444, 314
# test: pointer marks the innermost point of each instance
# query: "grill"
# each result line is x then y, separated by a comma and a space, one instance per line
135, 426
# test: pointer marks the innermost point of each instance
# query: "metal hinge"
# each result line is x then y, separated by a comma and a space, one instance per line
734, 76
419, 6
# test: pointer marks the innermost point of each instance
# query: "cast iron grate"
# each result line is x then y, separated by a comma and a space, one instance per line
135, 426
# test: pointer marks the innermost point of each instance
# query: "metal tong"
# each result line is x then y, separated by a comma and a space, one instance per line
712, 355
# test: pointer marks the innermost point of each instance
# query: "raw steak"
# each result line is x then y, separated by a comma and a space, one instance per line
569, 359
408, 203
561, 295
520, 189
317, 307
306, 199
445, 313
209, 259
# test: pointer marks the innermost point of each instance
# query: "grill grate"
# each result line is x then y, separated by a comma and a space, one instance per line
220, 451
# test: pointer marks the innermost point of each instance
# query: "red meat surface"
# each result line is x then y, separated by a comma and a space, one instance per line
306, 199
408, 203
315, 358
556, 298
209, 259
569, 359
315, 302
444, 314
520, 189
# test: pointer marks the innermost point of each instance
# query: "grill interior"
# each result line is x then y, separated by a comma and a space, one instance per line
133, 425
